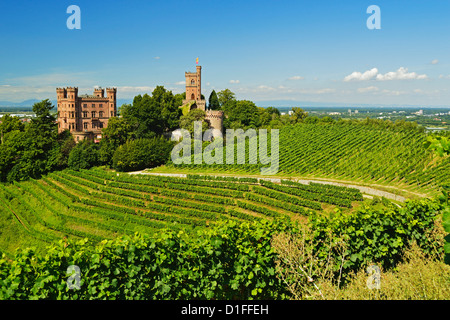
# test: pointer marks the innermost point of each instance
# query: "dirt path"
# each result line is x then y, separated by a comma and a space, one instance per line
363, 189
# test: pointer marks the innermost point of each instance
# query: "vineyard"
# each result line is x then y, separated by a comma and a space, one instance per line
99, 204
348, 151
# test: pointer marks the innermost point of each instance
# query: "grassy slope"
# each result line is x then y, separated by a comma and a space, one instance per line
389, 160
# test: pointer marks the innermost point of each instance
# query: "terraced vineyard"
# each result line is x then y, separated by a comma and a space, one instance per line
99, 204
350, 152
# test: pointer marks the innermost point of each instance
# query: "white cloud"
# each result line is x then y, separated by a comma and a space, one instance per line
393, 92
180, 83
372, 74
265, 88
444, 77
234, 81
435, 61
317, 91
358, 76
368, 89
157, 58
296, 78
401, 74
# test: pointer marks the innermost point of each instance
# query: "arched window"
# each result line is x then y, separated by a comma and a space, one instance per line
192, 82
192, 97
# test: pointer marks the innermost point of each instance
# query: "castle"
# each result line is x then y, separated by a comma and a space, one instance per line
194, 99
86, 115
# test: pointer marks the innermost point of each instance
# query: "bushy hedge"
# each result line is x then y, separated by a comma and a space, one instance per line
228, 261
142, 153
380, 236
232, 261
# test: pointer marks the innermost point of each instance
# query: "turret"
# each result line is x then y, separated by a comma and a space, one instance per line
99, 92
72, 93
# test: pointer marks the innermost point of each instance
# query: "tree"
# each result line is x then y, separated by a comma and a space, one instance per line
298, 115
67, 143
269, 116
115, 134
179, 97
243, 111
213, 102
34, 151
187, 121
9, 124
170, 110
83, 156
225, 96
151, 116
142, 153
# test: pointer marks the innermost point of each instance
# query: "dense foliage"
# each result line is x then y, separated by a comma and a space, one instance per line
141, 153
33, 149
231, 261
379, 236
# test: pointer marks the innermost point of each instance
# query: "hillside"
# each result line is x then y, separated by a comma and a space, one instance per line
97, 204
352, 152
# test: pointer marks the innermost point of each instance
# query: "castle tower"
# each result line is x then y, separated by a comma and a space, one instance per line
99, 92
111, 95
194, 89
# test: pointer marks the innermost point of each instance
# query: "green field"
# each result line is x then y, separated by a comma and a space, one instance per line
351, 152
99, 204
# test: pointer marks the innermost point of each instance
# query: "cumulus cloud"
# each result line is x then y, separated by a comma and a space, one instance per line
180, 82
157, 58
358, 76
234, 81
401, 74
296, 78
372, 74
435, 61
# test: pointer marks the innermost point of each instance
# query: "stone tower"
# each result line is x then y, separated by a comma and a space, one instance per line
194, 89
195, 101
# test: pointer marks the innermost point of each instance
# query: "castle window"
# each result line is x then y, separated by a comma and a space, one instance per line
101, 124
93, 105
100, 114
85, 114
85, 105
85, 125
192, 97
93, 114
192, 82
101, 105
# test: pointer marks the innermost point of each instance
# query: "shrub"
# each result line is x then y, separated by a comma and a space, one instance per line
142, 153
83, 156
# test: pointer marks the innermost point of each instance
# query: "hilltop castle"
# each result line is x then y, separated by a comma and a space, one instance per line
86, 115
194, 99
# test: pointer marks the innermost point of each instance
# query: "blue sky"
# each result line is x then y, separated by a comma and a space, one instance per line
318, 51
